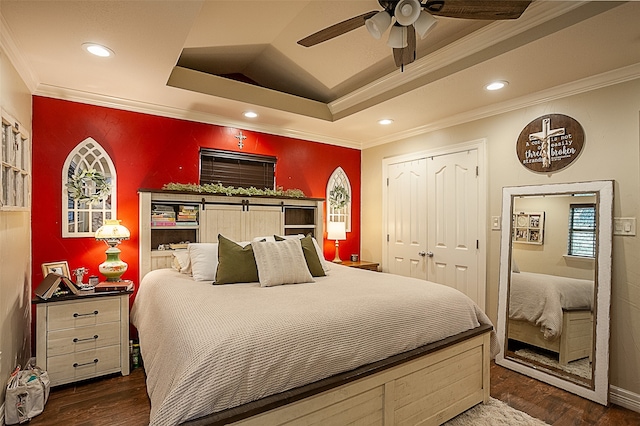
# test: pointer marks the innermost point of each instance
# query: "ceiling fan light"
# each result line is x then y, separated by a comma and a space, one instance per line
424, 23
397, 38
378, 24
407, 11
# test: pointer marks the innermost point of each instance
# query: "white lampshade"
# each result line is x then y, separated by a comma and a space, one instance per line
407, 11
424, 24
397, 38
336, 231
378, 24
112, 231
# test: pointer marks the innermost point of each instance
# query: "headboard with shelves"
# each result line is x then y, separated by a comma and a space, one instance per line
168, 218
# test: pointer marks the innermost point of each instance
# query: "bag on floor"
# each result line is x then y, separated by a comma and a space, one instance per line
27, 393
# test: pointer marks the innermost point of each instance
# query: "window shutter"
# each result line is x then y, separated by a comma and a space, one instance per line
237, 169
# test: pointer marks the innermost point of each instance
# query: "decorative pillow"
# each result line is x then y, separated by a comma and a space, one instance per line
310, 254
514, 266
268, 238
281, 263
325, 265
236, 263
203, 260
181, 261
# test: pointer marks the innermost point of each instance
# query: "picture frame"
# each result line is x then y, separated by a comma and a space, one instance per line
61, 267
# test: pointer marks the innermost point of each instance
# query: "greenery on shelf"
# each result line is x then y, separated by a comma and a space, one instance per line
216, 188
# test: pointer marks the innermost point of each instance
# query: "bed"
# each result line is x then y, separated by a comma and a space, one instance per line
553, 313
350, 346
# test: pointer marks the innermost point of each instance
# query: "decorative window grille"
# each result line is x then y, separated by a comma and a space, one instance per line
582, 230
81, 218
237, 169
339, 182
15, 177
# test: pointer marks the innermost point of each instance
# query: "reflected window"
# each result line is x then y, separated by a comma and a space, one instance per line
582, 230
88, 190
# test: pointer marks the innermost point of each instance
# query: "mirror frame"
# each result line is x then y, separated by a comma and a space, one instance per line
599, 391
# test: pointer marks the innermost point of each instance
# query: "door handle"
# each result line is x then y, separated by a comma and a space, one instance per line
427, 253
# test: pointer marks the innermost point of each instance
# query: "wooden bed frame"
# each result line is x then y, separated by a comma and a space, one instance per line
575, 342
427, 386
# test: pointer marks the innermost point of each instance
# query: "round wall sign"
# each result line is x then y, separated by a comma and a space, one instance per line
550, 143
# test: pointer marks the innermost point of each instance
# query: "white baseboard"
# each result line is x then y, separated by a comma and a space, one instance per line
624, 398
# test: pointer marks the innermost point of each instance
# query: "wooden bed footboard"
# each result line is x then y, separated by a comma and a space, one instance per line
426, 386
575, 342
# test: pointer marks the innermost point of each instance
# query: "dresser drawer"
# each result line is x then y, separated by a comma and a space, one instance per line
82, 365
81, 314
60, 342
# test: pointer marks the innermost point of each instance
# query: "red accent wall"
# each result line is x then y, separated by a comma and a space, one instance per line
149, 151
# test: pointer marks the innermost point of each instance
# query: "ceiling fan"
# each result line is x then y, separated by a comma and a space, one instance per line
414, 16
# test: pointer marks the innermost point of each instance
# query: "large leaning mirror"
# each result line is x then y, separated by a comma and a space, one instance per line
555, 284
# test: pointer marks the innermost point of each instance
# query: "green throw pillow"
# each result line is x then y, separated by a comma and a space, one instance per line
236, 264
310, 255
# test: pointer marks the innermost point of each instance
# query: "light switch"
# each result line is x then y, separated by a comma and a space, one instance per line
495, 222
624, 226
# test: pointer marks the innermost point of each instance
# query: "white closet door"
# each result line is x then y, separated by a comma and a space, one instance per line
406, 218
452, 199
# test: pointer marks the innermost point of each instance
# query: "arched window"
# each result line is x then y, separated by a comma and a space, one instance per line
88, 190
339, 198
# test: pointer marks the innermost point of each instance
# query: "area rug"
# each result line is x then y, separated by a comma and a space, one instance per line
579, 367
494, 413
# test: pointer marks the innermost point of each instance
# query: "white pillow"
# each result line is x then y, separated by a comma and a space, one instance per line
204, 260
281, 262
181, 261
325, 265
268, 238
514, 266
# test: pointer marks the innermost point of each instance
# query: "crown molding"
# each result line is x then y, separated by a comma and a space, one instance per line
13, 52
50, 91
610, 78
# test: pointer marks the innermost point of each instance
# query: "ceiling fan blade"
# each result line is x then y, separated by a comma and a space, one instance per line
336, 30
406, 55
477, 9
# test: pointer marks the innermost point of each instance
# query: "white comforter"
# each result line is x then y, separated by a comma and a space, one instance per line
540, 299
207, 348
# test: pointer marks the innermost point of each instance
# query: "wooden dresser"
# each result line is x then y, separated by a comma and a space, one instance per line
84, 336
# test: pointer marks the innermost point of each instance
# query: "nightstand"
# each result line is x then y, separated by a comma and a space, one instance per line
83, 336
361, 264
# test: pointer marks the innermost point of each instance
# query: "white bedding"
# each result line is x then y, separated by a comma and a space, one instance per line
541, 298
208, 347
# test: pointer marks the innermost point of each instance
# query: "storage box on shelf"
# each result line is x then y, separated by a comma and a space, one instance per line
176, 217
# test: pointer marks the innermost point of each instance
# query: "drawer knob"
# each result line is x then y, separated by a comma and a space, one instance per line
76, 365
76, 315
76, 340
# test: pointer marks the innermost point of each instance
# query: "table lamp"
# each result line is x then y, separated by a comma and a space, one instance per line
112, 233
336, 231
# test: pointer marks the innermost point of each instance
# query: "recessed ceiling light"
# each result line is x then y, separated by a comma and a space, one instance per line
496, 85
98, 50
385, 121
250, 114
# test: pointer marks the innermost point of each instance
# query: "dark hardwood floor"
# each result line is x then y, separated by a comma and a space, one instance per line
118, 400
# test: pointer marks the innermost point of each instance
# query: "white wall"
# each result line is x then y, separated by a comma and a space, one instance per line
15, 245
610, 118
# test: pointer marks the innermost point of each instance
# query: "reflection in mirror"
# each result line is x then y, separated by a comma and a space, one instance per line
555, 284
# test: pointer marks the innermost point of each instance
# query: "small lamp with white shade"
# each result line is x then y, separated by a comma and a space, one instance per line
336, 231
112, 233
